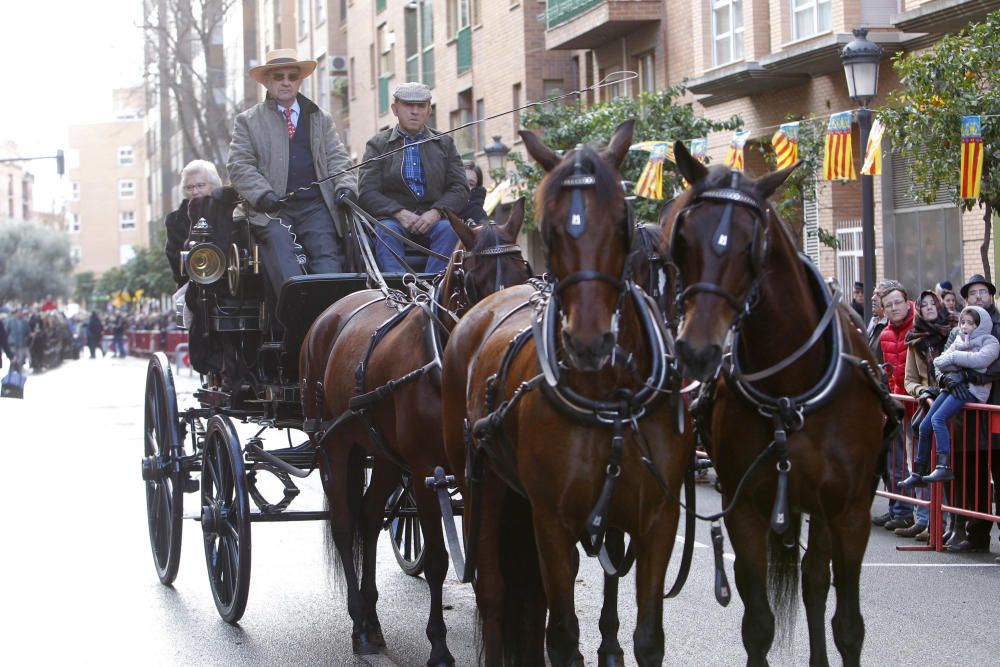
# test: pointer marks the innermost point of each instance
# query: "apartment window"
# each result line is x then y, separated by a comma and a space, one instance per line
516, 103
343, 10
459, 15
75, 254
465, 140
320, 11
810, 17
322, 81
75, 191
126, 155
351, 78
126, 220
303, 18
74, 223
553, 88
386, 42
727, 30
126, 188
645, 64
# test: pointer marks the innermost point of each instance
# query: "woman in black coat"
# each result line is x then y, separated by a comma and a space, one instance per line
95, 332
477, 195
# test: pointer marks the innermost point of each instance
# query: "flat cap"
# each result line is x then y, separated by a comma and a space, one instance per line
412, 91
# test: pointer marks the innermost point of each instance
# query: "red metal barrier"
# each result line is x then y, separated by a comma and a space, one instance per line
976, 421
145, 342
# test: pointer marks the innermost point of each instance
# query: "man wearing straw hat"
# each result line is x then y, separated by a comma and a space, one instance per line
279, 148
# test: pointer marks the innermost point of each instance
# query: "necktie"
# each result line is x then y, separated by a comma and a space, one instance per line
288, 121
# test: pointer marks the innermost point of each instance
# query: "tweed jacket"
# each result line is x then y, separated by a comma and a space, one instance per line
258, 156
382, 190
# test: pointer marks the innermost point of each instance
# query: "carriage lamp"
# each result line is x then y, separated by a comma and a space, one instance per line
496, 158
205, 262
861, 60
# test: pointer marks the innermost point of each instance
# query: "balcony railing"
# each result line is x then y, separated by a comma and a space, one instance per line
560, 11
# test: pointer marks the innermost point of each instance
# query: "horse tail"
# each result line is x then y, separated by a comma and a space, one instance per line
783, 578
524, 606
355, 495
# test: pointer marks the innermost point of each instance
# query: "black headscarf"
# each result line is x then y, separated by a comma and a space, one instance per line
929, 338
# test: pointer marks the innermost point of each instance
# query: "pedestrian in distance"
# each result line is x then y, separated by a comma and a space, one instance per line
410, 190
280, 148
973, 348
95, 334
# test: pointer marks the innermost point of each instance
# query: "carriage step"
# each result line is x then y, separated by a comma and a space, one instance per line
191, 485
304, 515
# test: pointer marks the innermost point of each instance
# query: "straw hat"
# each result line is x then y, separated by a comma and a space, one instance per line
282, 58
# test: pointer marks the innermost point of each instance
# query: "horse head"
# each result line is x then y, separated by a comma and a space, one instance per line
718, 232
586, 235
489, 259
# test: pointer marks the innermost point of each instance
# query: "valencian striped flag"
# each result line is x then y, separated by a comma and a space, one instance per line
872, 164
838, 163
972, 156
699, 148
650, 184
786, 144
734, 159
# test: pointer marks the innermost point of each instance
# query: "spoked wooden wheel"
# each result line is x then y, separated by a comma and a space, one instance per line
404, 530
161, 468
225, 518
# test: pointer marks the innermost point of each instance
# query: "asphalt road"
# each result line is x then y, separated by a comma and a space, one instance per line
77, 584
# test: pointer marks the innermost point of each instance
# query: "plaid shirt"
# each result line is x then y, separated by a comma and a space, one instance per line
413, 169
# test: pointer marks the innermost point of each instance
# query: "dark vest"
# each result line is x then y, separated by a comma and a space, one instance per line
301, 171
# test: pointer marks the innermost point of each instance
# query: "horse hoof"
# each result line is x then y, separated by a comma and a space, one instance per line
375, 637
363, 644
611, 659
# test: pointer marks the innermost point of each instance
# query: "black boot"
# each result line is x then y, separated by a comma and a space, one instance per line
916, 477
940, 474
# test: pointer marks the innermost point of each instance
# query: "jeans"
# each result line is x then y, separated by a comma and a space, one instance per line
935, 423
894, 473
440, 238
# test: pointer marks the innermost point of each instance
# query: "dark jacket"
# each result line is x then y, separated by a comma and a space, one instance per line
474, 209
178, 228
382, 190
4, 345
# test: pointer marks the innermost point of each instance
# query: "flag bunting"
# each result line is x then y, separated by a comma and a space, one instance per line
786, 144
872, 164
650, 183
838, 162
734, 160
972, 157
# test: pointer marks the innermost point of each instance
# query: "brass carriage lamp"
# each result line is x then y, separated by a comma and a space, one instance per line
205, 262
496, 159
861, 60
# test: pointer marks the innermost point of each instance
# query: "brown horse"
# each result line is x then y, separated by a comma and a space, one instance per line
541, 450
796, 390
370, 369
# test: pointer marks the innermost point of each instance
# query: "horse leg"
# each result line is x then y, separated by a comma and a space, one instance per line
815, 587
850, 539
748, 532
555, 547
384, 479
610, 653
435, 570
340, 497
653, 549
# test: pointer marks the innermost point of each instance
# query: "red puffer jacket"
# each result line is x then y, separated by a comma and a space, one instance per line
894, 350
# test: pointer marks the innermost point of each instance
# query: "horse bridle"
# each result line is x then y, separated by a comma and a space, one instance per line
731, 197
498, 250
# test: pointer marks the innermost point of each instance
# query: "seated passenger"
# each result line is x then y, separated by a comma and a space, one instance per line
280, 147
410, 190
198, 179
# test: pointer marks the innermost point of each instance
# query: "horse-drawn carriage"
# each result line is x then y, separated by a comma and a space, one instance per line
545, 395
246, 344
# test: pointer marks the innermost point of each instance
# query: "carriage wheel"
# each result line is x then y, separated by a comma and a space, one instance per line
161, 468
225, 518
404, 530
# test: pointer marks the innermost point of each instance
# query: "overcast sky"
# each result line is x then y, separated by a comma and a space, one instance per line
62, 59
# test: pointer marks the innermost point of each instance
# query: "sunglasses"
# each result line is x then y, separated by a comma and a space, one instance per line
281, 76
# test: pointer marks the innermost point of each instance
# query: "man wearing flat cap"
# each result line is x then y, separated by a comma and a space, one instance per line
410, 190
279, 148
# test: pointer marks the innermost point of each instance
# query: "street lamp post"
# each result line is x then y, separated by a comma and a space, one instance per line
496, 157
861, 60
